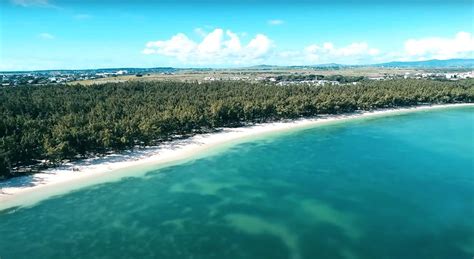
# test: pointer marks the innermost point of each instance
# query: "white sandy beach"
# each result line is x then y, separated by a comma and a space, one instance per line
27, 190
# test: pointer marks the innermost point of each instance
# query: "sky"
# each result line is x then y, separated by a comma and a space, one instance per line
73, 34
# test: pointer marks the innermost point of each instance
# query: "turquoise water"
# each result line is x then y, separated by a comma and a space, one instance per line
393, 187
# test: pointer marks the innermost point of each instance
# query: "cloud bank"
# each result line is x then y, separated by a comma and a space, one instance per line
46, 36
328, 52
460, 46
221, 47
30, 3
275, 22
216, 47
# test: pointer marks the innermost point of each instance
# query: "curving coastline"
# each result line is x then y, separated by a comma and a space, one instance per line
27, 190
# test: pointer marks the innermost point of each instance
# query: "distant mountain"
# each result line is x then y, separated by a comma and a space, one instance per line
330, 65
429, 64
434, 63
263, 67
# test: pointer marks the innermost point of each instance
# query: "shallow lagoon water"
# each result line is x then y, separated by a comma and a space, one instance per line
393, 187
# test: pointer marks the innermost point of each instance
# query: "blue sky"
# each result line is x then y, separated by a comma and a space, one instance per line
69, 34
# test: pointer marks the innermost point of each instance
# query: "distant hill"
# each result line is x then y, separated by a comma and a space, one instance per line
434, 63
264, 67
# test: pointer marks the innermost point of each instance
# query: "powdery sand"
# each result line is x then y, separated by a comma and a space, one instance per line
27, 190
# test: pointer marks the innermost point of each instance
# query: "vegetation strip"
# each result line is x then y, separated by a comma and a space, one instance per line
54, 123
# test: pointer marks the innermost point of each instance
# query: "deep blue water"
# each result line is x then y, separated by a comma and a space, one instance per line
393, 187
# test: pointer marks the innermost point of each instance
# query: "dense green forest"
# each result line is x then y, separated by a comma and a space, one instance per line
55, 123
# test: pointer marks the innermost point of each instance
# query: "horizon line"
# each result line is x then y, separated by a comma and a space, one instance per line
236, 67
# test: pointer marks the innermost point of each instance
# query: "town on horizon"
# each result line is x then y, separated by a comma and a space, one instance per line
454, 69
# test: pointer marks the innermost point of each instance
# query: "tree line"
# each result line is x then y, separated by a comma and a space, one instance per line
56, 122
303, 77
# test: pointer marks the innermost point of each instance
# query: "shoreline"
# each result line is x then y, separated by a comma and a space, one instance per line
28, 190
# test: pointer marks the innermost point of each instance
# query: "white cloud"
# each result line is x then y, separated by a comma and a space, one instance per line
46, 36
200, 31
258, 46
29, 3
275, 22
216, 47
461, 46
327, 52
221, 47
